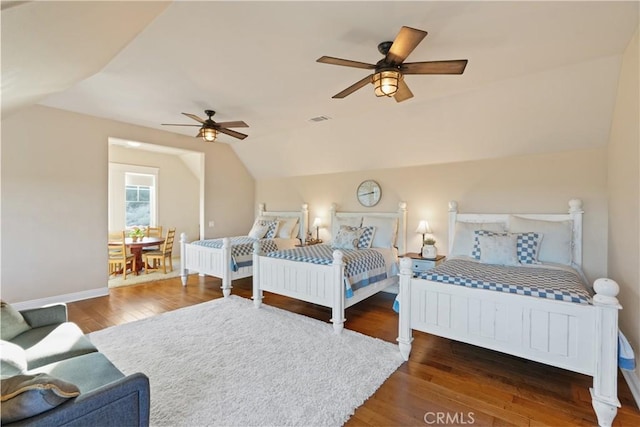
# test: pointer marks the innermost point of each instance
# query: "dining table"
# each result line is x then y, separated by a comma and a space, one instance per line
136, 247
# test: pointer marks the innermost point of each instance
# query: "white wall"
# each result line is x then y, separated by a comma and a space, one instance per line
178, 190
529, 184
624, 198
54, 199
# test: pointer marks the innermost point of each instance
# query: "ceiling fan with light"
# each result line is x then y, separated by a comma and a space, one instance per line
209, 129
388, 73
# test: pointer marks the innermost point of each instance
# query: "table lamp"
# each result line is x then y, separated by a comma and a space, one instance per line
423, 228
317, 222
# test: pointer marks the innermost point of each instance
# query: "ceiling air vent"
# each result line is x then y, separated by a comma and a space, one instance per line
319, 119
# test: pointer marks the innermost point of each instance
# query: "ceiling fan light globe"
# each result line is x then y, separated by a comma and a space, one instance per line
208, 134
386, 82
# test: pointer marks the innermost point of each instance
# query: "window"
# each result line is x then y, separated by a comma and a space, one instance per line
138, 205
139, 199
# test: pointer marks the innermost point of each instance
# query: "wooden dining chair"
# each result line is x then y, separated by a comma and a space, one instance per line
152, 258
119, 257
116, 236
152, 232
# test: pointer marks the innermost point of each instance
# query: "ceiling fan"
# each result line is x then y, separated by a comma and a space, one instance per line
388, 73
209, 129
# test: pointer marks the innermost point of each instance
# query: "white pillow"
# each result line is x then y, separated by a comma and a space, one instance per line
351, 221
287, 227
259, 229
386, 230
463, 237
499, 249
347, 238
557, 245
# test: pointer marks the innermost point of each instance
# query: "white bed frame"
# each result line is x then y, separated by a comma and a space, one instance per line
321, 284
216, 262
576, 337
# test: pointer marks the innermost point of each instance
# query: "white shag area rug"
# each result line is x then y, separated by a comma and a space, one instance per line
226, 363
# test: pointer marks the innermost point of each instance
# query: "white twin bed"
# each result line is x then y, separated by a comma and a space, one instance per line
519, 303
231, 258
337, 278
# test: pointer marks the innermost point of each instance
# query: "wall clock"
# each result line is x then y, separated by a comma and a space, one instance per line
369, 193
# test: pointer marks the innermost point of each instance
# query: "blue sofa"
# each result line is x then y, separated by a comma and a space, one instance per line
89, 389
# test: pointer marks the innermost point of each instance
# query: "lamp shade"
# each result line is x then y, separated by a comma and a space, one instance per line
317, 222
423, 228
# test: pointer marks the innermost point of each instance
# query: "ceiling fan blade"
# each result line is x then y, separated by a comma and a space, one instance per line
354, 87
406, 40
403, 92
455, 66
176, 124
345, 62
194, 117
232, 133
237, 124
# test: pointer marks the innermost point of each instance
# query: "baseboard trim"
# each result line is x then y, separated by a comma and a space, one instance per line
634, 384
75, 296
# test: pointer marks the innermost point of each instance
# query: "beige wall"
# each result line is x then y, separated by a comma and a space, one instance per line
624, 197
178, 190
529, 184
54, 199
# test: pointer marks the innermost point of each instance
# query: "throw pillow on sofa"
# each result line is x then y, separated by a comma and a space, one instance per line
24, 396
12, 323
14, 358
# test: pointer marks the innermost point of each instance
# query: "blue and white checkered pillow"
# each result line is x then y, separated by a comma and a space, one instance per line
527, 245
366, 238
272, 230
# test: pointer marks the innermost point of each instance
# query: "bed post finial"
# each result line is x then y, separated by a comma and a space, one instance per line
453, 206
261, 208
575, 206
305, 206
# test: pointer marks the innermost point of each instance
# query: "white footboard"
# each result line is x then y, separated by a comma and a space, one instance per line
576, 337
317, 284
214, 262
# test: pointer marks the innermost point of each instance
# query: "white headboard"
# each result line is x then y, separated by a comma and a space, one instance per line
574, 215
400, 214
302, 215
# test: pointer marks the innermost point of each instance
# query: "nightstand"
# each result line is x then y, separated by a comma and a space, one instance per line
420, 264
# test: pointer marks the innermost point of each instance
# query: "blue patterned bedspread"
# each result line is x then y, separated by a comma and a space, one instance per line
362, 266
241, 249
540, 282
550, 283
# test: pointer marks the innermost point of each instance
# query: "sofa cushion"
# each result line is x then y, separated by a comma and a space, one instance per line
24, 396
52, 343
13, 359
87, 372
11, 322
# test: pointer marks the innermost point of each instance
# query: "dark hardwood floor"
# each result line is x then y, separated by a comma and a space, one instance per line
444, 382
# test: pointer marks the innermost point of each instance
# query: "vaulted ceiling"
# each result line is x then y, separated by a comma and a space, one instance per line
542, 76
